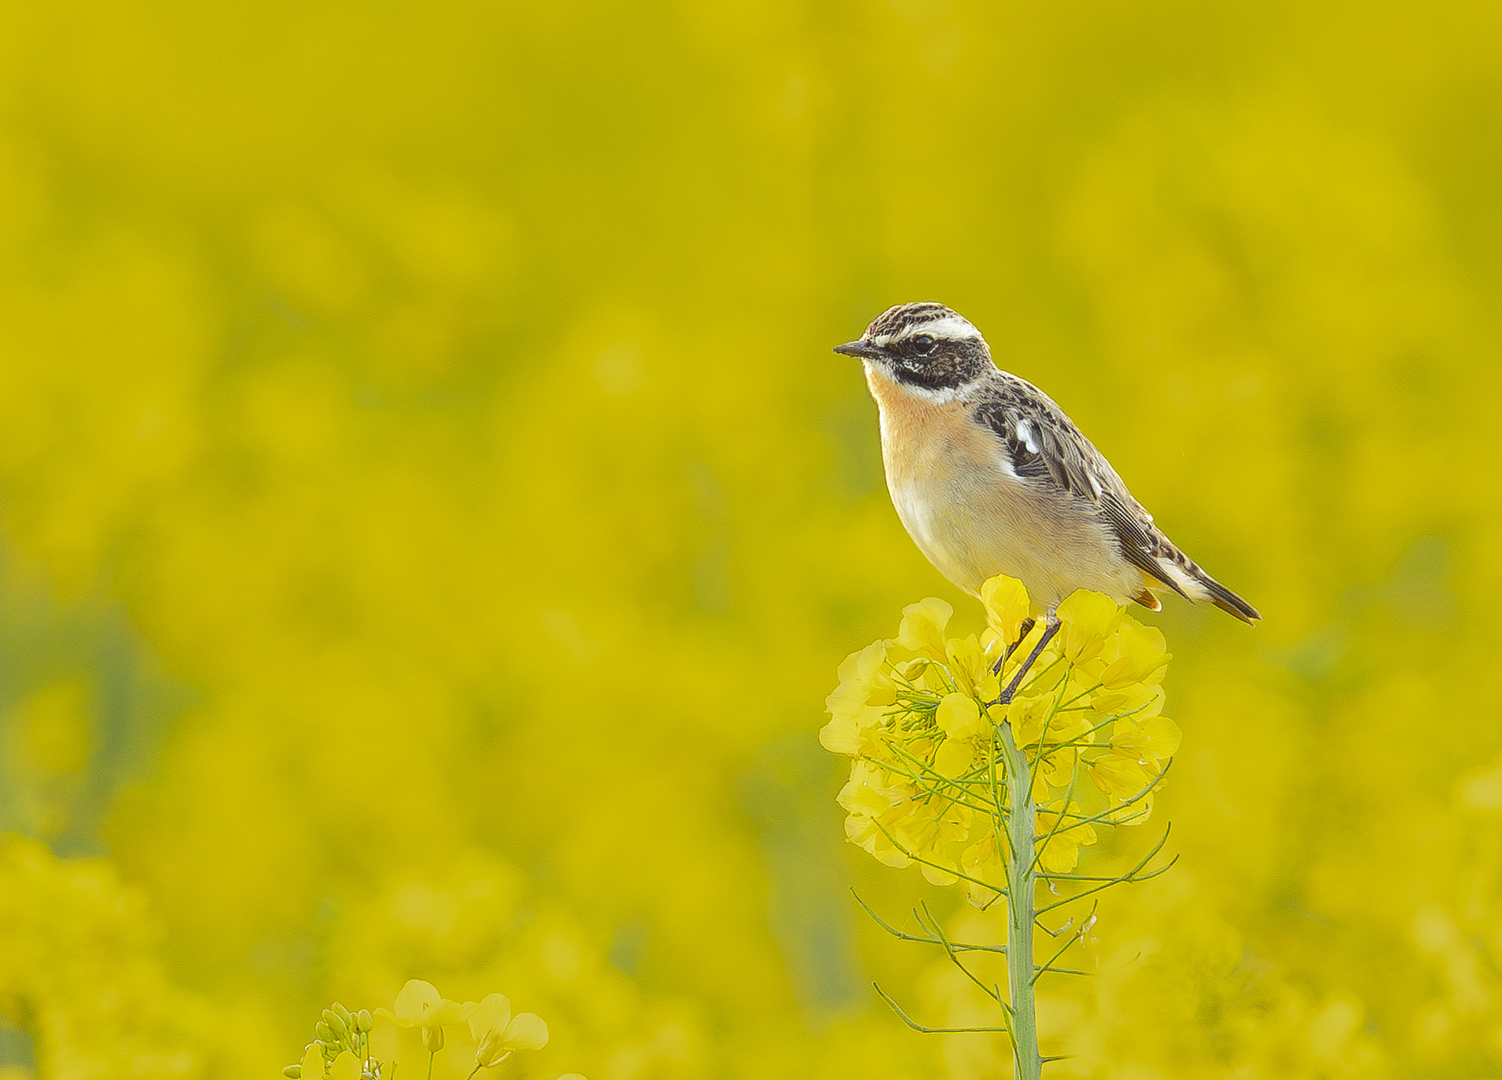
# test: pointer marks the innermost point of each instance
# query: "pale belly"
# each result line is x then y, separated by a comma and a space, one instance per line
973, 521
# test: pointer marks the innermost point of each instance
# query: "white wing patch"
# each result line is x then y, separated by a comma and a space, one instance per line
1181, 577
1025, 436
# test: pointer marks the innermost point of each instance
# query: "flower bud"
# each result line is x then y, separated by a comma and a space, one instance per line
336, 1025
344, 1014
325, 1033
292, 1072
364, 1020
432, 1038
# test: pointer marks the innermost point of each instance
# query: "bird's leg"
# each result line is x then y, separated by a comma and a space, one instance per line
1050, 628
1022, 631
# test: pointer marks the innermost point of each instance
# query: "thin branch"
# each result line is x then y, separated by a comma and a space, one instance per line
938, 931
910, 1022
959, 946
1048, 964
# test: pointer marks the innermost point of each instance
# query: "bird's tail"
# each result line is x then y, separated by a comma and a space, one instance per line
1226, 600
1184, 575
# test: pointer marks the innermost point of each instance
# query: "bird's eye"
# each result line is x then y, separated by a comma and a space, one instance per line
923, 344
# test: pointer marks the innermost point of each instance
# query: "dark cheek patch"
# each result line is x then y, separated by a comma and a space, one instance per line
943, 374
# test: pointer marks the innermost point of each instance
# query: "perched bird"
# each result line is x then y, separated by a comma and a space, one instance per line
990, 477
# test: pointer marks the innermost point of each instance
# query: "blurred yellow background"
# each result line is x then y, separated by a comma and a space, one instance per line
431, 515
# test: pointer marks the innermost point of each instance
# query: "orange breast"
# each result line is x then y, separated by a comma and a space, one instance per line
953, 489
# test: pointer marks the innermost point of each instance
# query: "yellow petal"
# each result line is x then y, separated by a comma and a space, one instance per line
1087, 617
954, 758
346, 1067
1119, 777
491, 1050
1007, 606
312, 1062
841, 736
492, 1014
861, 678
1028, 716
415, 1000
1155, 738
971, 668
868, 791
527, 1031
1163, 735
939, 874
1143, 653
866, 834
1060, 855
1057, 769
923, 626
958, 716
954, 825
447, 1012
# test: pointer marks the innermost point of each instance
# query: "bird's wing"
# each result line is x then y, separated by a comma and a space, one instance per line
1046, 449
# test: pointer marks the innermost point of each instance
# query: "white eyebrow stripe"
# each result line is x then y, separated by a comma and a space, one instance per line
949, 328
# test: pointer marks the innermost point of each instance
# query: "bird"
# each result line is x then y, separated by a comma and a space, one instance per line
990, 476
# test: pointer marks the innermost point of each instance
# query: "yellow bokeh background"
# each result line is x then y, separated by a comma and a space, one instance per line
431, 516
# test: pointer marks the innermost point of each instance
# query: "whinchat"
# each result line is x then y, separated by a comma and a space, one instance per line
990, 477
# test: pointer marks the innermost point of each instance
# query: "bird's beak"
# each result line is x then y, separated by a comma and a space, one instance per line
862, 349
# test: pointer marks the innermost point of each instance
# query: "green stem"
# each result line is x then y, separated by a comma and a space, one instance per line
1021, 875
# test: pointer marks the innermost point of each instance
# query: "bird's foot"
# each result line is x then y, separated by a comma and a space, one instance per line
1050, 628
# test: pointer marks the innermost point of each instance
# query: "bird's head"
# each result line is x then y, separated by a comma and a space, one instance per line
926, 347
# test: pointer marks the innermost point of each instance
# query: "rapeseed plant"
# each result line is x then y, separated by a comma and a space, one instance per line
983, 769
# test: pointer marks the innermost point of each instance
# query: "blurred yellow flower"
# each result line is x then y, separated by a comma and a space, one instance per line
420, 1005
498, 1033
345, 1066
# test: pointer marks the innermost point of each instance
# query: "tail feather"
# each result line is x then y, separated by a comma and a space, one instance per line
1184, 576
1226, 600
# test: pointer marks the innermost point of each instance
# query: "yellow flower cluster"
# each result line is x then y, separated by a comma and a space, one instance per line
341, 1049
919, 715
76, 971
